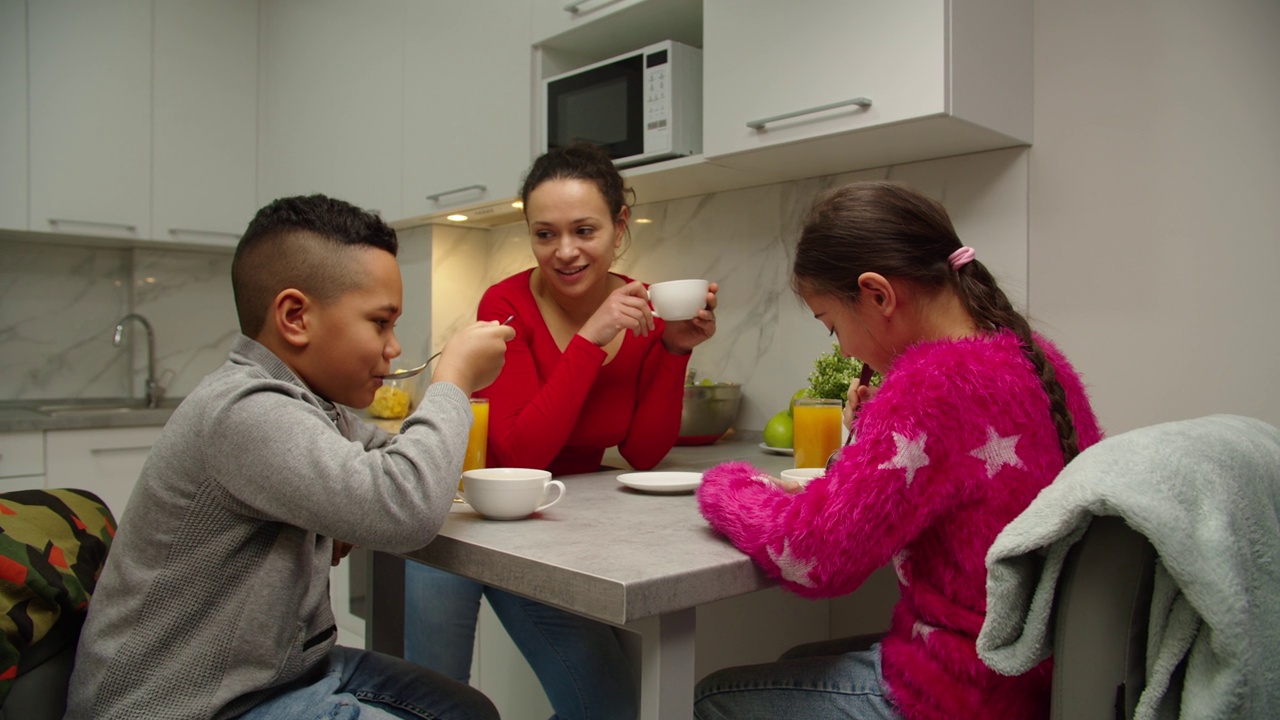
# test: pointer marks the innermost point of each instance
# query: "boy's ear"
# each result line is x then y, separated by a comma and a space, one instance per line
290, 311
878, 291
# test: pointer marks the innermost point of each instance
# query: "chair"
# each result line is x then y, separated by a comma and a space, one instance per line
53, 544
1100, 623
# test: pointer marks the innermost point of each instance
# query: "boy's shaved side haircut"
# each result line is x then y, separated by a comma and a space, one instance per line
302, 242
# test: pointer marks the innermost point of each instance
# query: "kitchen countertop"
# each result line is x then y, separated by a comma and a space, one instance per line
80, 414
99, 413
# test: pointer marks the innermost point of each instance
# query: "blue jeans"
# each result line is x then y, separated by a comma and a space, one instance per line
371, 686
578, 661
815, 682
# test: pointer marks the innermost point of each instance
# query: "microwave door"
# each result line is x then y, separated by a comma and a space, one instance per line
604, 106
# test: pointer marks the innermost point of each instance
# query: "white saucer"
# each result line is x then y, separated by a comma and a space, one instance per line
777, 450
661, 481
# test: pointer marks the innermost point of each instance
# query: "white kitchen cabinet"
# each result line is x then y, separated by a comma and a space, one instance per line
13, 115
90, 110
597, 29
105, 461
21, 461
942, 78
466, 113
331, 115
205, 125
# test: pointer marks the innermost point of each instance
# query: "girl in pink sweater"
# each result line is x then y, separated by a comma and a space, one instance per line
975, 416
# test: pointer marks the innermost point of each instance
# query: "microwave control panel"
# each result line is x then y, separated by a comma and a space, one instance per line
657, 105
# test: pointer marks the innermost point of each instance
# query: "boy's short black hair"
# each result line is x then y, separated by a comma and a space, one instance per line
301, 242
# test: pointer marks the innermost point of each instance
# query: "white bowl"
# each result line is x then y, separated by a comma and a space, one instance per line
802, 475
678, 299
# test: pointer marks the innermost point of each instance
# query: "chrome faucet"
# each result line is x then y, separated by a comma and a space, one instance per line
154, 392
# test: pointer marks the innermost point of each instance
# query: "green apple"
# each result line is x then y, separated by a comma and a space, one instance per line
802, 392
779, 432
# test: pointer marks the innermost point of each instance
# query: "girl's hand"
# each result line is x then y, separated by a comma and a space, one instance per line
858, 394
626, 308
790, 486
682, 336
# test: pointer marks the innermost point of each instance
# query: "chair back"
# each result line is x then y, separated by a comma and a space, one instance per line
1100, 623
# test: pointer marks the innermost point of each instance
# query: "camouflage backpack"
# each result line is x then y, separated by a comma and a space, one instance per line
53, 544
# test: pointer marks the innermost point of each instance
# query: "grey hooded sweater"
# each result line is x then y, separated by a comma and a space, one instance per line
216, 590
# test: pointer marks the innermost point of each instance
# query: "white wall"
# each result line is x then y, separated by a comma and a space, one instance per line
1155, 203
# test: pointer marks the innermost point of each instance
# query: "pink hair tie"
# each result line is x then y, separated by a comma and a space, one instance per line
961, 257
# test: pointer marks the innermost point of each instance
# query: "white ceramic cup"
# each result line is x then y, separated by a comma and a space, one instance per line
509, 493
802, 475
678, 299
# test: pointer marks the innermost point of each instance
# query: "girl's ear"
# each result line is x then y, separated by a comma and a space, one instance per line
291, 314
879, 292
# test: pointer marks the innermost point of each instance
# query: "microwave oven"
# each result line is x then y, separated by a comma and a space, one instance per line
641, 107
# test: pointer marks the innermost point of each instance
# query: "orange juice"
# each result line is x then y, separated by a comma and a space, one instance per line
818, 426
478, 438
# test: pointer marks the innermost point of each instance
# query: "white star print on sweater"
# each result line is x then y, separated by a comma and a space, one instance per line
910, 455
998, 452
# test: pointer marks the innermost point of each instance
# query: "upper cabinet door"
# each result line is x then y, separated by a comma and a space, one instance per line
467, 103
764, 59
90, 109
205, 120
837, 85
554, 17
332, 75
13, 115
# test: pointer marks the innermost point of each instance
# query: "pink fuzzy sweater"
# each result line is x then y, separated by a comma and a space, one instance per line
955, 444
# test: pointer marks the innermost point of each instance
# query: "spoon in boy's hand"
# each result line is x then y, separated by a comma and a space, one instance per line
410, 372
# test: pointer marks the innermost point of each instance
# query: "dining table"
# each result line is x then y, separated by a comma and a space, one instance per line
639, 560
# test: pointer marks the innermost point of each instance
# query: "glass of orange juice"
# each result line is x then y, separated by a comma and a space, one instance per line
818, 425
478, 438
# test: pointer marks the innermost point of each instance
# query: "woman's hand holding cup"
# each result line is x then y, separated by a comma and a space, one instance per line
626, 308
682, 336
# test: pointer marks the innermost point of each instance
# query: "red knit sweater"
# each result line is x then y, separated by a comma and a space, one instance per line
561, 410
956, 444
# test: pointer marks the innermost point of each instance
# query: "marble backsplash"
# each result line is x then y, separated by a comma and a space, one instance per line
59, 303
744, 239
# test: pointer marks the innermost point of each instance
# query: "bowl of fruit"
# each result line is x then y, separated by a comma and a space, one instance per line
709, 411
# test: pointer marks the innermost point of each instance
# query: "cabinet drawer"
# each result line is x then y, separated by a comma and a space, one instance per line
21, 454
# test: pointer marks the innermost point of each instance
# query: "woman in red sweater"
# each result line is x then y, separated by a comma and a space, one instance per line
590, 368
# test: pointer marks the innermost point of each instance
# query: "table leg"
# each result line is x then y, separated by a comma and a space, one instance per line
666, 665
384, 590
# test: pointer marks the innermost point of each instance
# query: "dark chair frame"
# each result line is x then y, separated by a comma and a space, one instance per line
1100, 623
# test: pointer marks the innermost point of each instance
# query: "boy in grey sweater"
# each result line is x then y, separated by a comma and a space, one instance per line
214, 602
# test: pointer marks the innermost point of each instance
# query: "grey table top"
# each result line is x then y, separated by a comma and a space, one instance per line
607, 551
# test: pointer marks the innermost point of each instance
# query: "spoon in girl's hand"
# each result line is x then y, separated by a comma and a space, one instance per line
410, 372
864, 378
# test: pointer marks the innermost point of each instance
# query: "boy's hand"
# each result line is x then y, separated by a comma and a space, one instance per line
340, 550
473, 358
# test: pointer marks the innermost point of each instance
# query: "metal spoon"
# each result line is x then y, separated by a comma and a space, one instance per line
864, 378
410, 372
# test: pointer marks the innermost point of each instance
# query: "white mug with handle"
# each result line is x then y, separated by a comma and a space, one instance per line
509, 493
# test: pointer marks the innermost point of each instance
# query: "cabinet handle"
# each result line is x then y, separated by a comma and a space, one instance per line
575, 7
436, 197
861, 102
94, 223
192, 231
